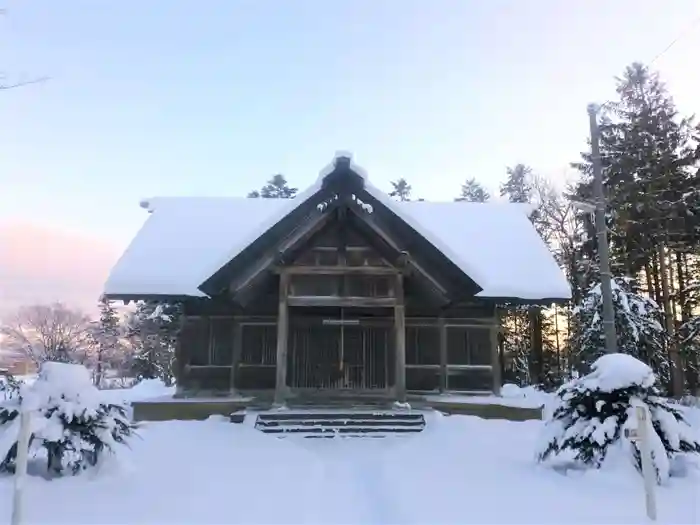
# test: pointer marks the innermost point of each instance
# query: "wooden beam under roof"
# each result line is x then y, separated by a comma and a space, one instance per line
403, 258
296, 238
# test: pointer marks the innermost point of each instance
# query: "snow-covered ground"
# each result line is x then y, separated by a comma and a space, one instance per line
459, 470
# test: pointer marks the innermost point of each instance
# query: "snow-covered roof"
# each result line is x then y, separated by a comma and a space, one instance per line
185, 240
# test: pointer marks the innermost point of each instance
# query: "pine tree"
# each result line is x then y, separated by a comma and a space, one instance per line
76, 428
649, 156
687, 337
518, 185
472, 191
9, 387
638, 325
276, 188
593, 412
106, 334
515, 345
401, 190
688, 341
526, 334
153, 330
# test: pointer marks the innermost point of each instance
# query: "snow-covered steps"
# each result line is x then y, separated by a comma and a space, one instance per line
348, 423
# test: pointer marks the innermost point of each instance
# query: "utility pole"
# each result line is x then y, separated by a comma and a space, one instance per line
602, 235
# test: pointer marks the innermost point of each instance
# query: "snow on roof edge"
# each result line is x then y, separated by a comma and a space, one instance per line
439, 245
263, 227
492, 287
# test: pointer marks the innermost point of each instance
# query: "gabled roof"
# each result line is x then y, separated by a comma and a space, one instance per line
186, 240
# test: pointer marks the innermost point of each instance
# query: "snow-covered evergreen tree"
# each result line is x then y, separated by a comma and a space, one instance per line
638, 324
688, 341
518, 185
153, 330
593, 412
71, 422
9, 387
106, 333
515, 345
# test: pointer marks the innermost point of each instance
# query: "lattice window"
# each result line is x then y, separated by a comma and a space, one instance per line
422, 345
468, 346
367, 286
259, 343
315, 285
221, 351
194, 341
470, 379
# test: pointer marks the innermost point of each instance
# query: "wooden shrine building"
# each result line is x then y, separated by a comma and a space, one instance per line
338, 291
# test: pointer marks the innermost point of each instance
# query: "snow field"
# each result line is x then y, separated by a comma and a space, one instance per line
459, 470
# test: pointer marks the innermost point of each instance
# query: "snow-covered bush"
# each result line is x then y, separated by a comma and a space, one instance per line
9, 387
592, 413
70, 421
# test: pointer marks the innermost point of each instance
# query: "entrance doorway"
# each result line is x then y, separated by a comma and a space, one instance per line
340, 350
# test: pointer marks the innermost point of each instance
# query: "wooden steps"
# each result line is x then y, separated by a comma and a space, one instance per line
340, 423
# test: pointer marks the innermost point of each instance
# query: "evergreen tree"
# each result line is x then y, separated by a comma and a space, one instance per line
687, 337
74, 426
637, 324
106, 334
153, 330
649, 156
525, 323
472, 191
518, 185
515, 345
9, 387
593, 412
401, 190
688, 341
276, 188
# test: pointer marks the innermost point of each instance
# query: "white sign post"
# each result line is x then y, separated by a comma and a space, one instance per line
648, 470
641, 436
21, 465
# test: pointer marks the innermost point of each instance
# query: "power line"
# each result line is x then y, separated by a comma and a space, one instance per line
680, 36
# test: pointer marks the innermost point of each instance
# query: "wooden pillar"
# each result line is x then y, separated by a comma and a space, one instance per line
442, 329
282, 336
496, 365
496, 361
400, 339
237, 334
180, 359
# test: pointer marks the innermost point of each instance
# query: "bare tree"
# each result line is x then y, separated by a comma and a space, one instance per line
51, 332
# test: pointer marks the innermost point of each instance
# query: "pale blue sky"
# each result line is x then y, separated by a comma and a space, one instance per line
212, 97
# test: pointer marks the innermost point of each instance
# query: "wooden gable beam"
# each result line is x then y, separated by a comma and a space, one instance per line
405, 258
297, 237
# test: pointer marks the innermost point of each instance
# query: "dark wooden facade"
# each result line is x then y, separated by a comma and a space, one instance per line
239, 353
341, 296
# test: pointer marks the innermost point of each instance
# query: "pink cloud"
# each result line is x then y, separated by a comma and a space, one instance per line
40, 264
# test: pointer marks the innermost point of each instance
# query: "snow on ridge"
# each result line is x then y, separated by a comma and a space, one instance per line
340, 154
